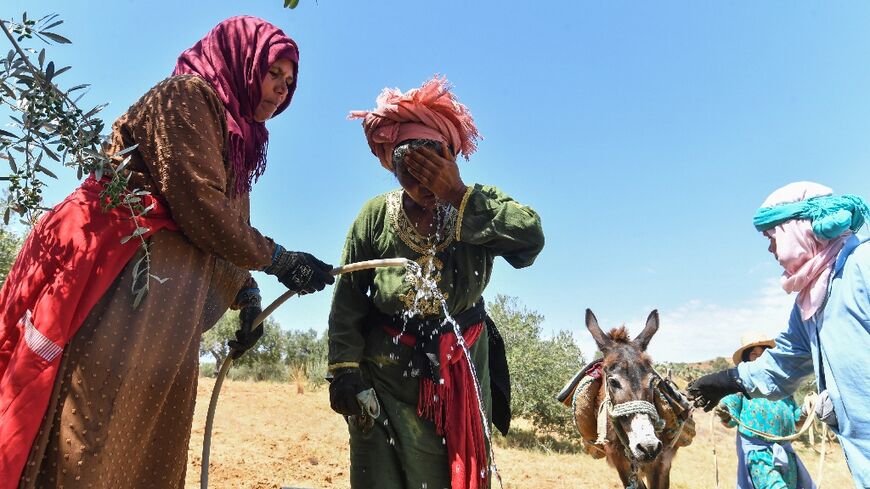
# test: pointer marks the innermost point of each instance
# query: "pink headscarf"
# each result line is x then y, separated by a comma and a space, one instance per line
429, 112
806, 259
233, 58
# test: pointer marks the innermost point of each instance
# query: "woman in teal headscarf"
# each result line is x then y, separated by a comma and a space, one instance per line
812, 235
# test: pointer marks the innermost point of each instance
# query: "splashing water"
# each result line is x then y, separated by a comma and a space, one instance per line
425, 283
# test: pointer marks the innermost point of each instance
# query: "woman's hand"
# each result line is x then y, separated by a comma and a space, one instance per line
709, 389
437, 172
247, 335
343, 390
723, 413
300, 272
248, 303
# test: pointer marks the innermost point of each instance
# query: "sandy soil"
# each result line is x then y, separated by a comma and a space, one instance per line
269, 436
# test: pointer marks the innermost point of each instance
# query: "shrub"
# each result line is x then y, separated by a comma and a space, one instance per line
260, 371
10, 244
539, 366
207, 369
306, 352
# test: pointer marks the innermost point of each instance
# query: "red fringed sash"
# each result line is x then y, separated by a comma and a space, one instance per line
453, 407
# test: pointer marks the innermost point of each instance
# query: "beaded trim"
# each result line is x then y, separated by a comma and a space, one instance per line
462, 210
336, 366
424, 245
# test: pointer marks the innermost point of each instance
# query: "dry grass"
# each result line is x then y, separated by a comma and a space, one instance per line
268, 436
298, 376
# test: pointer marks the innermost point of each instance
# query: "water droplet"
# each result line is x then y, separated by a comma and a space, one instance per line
423, 282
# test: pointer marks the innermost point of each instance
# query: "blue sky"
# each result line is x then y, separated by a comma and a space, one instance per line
645, 134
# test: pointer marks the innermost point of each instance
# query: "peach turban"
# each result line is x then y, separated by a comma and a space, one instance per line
429, 112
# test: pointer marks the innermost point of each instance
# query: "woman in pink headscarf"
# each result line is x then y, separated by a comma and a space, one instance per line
96, 391
417, 406
813, 236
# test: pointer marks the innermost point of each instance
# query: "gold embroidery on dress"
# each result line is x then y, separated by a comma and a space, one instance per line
431, 266
426, 246
445, 215
462, 210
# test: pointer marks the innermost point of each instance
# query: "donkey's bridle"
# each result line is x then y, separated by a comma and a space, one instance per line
622, 409
607, 410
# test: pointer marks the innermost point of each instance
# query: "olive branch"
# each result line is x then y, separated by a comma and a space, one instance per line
48, 127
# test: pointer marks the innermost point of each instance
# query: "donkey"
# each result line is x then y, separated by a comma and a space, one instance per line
633, 445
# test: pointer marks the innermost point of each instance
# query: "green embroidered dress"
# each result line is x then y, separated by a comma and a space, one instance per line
403, 450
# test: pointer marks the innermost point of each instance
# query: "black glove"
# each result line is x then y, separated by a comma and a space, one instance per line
709, 389
346, 384
249, 295
246, 337
300, 272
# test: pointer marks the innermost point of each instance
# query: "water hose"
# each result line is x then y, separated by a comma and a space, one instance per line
228, 361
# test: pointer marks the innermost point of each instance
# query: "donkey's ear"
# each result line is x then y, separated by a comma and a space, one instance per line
652, 325
592, 325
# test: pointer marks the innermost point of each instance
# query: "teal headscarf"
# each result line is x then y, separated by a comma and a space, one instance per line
831, 215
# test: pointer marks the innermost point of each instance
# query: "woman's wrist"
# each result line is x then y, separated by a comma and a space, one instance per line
457, 194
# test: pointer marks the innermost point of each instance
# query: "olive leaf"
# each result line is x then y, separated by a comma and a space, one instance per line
47, 129
136, 233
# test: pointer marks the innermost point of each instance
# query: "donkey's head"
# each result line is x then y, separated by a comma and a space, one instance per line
629, 376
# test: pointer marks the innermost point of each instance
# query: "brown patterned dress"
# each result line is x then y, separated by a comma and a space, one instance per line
123, 400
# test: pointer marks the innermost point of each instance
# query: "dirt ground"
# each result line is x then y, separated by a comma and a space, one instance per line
269, 436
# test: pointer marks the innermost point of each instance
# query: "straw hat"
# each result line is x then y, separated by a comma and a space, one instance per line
750, 340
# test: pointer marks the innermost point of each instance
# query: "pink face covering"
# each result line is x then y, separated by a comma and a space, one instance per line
234, 58
429, 112
806, 259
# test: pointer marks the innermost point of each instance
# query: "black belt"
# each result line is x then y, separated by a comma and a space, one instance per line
427, 327
427, 332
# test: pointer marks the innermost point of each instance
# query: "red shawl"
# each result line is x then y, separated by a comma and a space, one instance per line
72, 256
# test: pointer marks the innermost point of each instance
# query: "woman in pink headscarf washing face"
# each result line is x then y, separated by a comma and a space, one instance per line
409, 392
97, 392
413, 126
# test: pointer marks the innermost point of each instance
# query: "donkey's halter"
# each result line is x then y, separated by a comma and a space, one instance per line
622, 409
634, 407
608, 411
